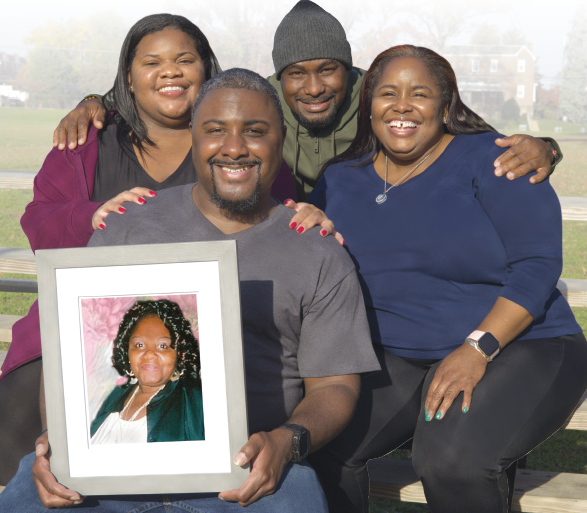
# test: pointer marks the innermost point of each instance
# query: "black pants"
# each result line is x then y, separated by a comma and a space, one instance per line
526, 395
20, 418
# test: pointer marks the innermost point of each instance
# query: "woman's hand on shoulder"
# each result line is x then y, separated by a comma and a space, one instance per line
525, 154
76, 124
135, 195
308, 216
460, 371
51, 493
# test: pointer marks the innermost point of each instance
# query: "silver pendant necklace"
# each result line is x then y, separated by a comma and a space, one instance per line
382, 198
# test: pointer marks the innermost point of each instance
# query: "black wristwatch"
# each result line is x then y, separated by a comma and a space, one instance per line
300, 441
485, 343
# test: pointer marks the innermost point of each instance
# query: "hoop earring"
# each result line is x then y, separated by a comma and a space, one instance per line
174, 376
444, 121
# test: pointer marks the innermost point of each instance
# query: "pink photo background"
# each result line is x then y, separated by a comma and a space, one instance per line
101, 318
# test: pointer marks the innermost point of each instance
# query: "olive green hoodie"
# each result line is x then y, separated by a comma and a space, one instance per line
305, 152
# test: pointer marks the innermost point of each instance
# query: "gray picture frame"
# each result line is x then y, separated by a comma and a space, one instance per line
222, 252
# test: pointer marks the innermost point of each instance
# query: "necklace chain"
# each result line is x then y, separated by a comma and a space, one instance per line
382, 198
132, 397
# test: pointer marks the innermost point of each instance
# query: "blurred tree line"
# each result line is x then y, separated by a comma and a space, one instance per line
71, 59
573, 94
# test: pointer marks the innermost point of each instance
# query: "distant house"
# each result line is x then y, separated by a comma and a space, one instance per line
488, 75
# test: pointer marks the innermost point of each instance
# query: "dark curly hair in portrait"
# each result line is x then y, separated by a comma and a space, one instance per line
182, 338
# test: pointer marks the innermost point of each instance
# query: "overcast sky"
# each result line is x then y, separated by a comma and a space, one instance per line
544, 24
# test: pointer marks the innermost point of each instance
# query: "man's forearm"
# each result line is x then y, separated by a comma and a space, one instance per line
327, 407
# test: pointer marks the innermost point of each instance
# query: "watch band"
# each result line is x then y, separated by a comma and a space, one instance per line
485, 343
300, 441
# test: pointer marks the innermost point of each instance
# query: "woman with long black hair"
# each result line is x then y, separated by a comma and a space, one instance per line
482, 358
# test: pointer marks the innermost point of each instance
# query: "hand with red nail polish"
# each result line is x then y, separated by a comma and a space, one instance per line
311, 216
115, 205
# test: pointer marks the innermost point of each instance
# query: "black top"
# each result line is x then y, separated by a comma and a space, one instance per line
118, 169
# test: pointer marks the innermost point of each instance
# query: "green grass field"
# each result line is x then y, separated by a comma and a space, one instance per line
26, 137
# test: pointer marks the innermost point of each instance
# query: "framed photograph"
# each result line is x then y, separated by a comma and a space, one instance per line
143, 367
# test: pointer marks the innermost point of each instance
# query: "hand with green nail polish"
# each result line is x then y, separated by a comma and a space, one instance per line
460, 371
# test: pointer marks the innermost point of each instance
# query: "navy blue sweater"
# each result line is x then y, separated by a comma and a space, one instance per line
446, 244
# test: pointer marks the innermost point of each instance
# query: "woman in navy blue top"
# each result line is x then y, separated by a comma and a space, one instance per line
455, 264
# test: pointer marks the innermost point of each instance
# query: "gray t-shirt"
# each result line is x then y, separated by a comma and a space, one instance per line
302, 308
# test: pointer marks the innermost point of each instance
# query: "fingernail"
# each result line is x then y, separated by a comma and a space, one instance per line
343, 243
74, 498
300, 229
510, 176
293, 225
78, 502
221, 498
427, 417
286, 201
121, 209
323, 233
498, 171
39, 450
80, 141
102, 226
152, 193
240, 459
465, 409
438, 415
61, 146
141, 200
425, 410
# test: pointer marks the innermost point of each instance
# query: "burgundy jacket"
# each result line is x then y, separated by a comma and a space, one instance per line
60, 216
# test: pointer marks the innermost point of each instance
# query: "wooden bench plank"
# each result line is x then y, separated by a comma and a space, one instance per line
573, 208
538, 492
17, 261
17, 179
575, 291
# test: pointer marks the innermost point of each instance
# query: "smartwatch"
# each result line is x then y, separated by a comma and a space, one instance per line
300, 441
485, 343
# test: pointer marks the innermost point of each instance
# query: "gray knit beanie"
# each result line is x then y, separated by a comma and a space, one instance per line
309, 32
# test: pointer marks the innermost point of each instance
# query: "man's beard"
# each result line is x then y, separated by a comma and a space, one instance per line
241, 209
315, 125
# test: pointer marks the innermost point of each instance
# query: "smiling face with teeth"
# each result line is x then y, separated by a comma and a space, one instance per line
166, 75
237, 149
407, 110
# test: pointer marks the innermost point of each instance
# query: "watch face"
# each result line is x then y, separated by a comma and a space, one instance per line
488, 344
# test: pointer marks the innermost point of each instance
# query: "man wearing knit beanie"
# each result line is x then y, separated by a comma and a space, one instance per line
319, 89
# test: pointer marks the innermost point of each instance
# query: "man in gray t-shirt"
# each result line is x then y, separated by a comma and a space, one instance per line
306, 337
302, 308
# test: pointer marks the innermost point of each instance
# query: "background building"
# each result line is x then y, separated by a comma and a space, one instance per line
489, 75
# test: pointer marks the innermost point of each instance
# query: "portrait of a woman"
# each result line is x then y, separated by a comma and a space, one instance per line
162, 399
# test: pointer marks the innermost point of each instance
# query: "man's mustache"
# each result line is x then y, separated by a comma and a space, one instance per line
238, 163
312, 99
